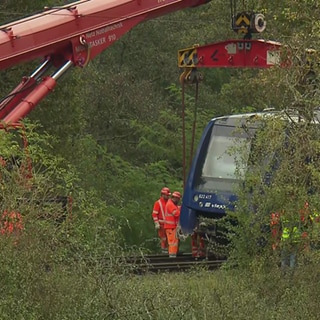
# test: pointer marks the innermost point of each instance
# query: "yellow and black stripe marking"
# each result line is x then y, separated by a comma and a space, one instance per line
187, 58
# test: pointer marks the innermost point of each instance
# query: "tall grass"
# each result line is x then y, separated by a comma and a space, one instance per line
38, 282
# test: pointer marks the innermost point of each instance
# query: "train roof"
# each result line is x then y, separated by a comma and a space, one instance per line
289, 115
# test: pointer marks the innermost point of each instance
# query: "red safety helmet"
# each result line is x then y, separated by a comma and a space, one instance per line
165, 191
176, 194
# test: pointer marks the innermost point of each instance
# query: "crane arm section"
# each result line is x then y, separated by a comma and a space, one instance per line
78, 31
68, 36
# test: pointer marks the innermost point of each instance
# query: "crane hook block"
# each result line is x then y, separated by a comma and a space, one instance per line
247, 23
191, 75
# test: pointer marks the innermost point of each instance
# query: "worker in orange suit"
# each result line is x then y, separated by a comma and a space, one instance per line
172, 214
275, 226
198, 245
158, 217
299, 232
11, 224
306, 225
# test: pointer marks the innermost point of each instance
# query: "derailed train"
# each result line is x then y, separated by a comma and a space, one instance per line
214, 173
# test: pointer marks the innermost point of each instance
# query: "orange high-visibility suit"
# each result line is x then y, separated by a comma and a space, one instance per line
306, 221
172, 214
11, 223
197, 245
158, 214
275, 229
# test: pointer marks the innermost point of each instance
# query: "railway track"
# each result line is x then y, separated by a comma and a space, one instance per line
162, 263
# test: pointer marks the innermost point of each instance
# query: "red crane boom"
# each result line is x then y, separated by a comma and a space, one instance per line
67, 36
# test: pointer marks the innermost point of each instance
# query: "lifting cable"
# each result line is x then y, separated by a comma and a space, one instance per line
233, 6
195, 111
183, 132
183, 78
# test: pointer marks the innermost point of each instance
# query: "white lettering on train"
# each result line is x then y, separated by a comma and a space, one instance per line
219, 206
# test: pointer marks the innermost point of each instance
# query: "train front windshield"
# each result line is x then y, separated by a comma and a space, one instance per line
225, 159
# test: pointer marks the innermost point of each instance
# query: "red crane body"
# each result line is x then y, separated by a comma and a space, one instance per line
66, 36
62, 32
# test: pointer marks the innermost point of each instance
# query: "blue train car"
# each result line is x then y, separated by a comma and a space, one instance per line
219, 169
215, 172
